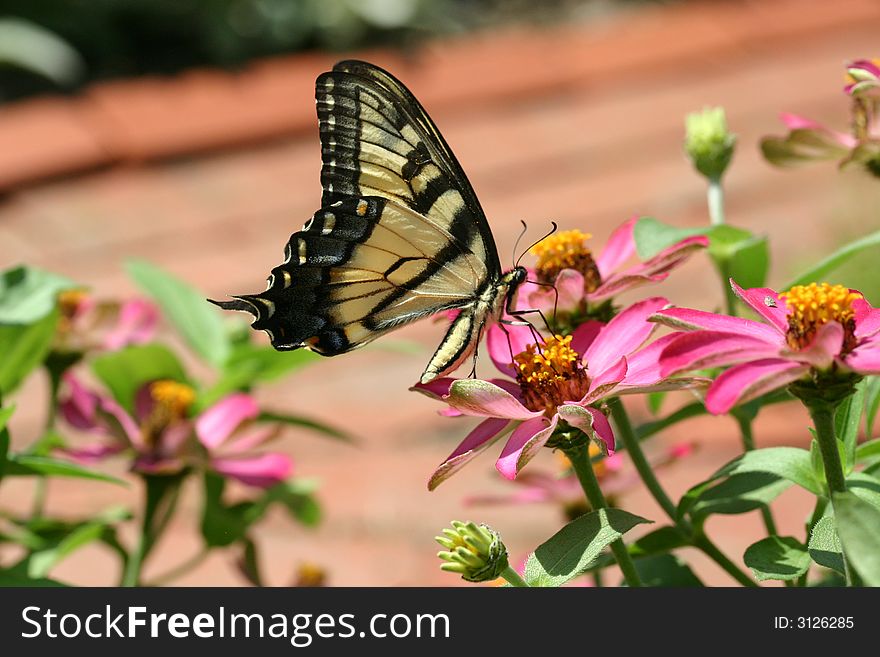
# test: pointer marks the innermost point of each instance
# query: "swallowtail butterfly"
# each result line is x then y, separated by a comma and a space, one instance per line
400, 234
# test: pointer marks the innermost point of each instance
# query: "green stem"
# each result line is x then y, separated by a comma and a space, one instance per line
822, 414
160, 500
646, 472
748, 443
818, 512
823, 420
180, 569
513, 578
583, 468
715, 198
42, 484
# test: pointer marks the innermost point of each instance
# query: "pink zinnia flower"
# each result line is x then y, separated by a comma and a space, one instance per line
560, 382
163, 439
582, 281
813, 330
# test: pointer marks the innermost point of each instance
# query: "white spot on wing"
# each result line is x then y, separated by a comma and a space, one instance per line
329, 223
302, 252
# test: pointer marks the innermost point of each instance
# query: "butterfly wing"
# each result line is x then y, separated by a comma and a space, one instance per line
400, 235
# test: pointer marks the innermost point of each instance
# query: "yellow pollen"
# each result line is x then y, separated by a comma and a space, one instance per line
550, 375
173, 398
811, 306
566, 250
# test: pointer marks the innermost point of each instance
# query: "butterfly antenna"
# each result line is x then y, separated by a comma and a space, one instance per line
555, 297
552, 230
513, 257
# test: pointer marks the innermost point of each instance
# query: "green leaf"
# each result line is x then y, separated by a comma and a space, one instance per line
18, 577
872, 403
739, 493
655, 401
666, 570
652, 236
249, 363
821, 270
750, 262
777, 557
27, 295
660, 541
824, 546
27, 465
126, 370
847, 418
574, 547
222, 525
296, 495
865, 486
5, 414
858, 526
868, 451
23, 348
250, 562
791, 463
306, 423
40, 563
199, 323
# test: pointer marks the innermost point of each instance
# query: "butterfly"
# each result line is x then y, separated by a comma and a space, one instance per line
400, 234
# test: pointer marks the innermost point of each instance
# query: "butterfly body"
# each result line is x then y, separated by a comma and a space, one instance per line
400, 234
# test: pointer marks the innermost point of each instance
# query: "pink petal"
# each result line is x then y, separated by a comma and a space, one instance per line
619, 248
217, 423
483, 435
766, 303
251, 440
750, 380
137, 324
150, 464
436, 389
620, 283
671, 256
824, 348
89, 454
485, 399
867, 318
864, 359
144, 402
584, 335
80, 407
865, 65
604, 382
624, 334
644, 367
524, 443
820, 131
686, 319
701, 349
119, 422
173, 438
502, 341
592, 422
263, 471
569, 285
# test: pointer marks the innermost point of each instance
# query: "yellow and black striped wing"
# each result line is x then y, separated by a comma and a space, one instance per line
400, 234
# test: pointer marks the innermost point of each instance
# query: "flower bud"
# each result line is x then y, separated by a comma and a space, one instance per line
708, 142
863, 77
476, 552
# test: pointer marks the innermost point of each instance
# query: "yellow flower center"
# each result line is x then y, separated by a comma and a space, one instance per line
310, 575
811, 306
172, 403
566, 250
550, 375
69, 302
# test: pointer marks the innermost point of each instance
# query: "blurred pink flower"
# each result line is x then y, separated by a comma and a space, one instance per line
806, 330
809, 141
163, 439
559, 383
565, 262
87, 323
